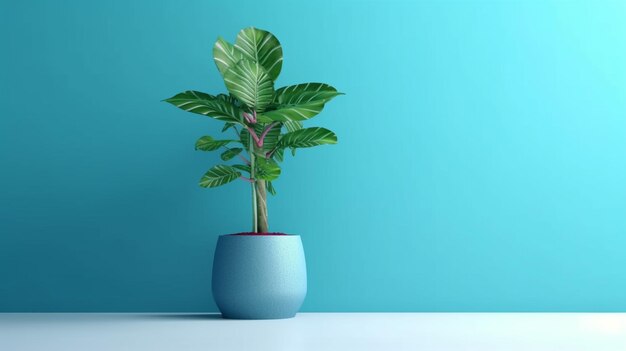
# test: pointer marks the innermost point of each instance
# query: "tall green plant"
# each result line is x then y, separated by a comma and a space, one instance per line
264, 121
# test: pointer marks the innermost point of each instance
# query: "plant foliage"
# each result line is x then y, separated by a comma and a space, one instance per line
265, 120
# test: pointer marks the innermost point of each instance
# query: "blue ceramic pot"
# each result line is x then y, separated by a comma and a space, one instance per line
259, 276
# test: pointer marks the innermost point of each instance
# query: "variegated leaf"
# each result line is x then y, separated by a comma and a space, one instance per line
304, 93
207, 143
207, 105
308, 137
230, 99
227, 126
299, 102
219, 175
293, 113
225, 55
269, 142
249, 83
266, 169
245, 168
271, 138
279, 154
261, 46
292, 126
230, 153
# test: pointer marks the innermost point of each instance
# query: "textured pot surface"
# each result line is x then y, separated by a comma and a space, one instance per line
259, 276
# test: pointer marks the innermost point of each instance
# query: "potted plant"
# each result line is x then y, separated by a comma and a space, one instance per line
257, 274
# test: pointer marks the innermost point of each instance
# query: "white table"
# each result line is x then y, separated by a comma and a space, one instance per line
316, 331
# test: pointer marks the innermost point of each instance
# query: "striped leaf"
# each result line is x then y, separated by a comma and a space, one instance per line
245, 168
261, 46
230, 153
207, 105
299, 102
293, 113
278, 151
304, 93
229, 99
279, 154
250, 84
207, 143
292, 126
308, 137
225, 55
227, 126
266, 169
219, 175
271, 138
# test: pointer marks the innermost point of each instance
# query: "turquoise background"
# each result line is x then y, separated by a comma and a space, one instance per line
481, 163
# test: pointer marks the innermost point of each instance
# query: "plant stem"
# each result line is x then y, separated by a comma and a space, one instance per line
259, 191
261, 204
253, 184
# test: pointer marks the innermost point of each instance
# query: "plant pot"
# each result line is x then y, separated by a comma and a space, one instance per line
259, 276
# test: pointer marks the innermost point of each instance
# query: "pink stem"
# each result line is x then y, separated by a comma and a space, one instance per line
267, 129
250, 118
254, 136
247, 179
259, 140
271, 152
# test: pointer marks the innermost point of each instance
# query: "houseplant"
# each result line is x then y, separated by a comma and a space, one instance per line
257, 274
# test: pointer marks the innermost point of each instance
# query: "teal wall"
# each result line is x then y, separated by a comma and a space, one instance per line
481, 163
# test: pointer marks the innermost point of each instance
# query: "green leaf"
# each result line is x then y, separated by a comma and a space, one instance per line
230, 153
245, 168
207, 105
229, 99
271, 138
266, 169
244, 137
249, 83
227, 125
219, 175
308, 137
279, 154
305, 93
292, 113
225, 55
299, 102
270, 188
261, 46
292, 126
207, 143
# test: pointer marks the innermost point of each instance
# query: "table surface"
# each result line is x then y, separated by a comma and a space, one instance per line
316, 331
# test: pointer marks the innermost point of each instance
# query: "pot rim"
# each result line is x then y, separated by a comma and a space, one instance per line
260, 235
